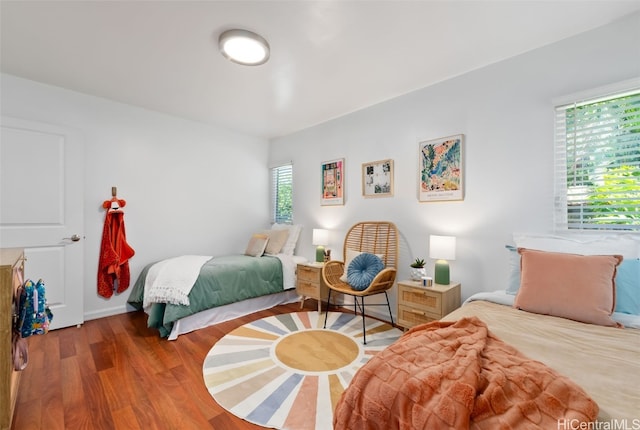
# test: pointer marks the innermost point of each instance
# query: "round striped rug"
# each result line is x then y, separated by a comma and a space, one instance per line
286, 371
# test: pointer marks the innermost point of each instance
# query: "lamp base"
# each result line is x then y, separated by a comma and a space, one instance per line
320, 254
442, 272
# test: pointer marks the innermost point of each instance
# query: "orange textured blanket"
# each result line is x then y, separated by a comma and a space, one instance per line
458, 375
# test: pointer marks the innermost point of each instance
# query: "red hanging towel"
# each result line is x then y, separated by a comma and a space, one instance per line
115, 252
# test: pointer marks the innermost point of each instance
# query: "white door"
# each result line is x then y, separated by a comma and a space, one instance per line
41, 210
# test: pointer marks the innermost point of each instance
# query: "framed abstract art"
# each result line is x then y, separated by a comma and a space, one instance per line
333, 182
440, 174
377, 179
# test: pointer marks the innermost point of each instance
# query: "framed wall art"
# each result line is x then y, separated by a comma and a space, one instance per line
440, 176
333, 182
377, 179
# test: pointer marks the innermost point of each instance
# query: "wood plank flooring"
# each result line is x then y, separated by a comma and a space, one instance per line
115, 373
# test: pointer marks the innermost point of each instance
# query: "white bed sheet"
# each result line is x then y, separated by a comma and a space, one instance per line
501, 297
231, 311
235, 310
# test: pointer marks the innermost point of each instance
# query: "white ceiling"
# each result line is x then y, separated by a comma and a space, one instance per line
328, 58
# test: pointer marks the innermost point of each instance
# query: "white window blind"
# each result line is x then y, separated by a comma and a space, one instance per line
282, 194
597, 163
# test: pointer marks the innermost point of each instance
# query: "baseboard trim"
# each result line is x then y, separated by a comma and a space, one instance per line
103, 313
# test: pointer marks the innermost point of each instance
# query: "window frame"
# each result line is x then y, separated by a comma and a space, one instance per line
280, 176
561, 143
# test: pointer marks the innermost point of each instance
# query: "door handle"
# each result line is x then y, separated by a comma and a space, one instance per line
73, 238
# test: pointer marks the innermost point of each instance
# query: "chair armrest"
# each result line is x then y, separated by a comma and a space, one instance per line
332, 271
382, 282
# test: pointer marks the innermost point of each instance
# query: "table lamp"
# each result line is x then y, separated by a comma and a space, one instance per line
442, 248
320, 239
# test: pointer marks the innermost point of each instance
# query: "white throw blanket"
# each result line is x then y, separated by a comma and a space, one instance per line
171, 280
288, 270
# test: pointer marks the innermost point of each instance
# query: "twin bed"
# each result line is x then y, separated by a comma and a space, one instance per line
603, 361
561, 359
408, 385
222, 287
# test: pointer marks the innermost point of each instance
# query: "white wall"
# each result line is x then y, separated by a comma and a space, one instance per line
190, 188
505, 112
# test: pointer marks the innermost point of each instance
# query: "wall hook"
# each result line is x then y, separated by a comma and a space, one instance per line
115, 204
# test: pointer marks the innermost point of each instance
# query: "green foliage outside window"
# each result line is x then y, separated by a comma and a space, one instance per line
284, 205
603, 163
624, 183
282, 194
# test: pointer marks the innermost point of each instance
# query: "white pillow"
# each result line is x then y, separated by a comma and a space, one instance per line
277, 240
583, 244
257, 244
294, 232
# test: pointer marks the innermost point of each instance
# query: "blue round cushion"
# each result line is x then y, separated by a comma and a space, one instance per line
362, 270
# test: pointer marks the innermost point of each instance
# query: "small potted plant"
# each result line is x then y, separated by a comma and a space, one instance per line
417, 270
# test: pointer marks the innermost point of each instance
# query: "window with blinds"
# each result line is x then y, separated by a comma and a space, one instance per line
597, 165
282, 194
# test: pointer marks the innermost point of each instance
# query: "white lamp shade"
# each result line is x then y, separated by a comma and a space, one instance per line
442, 247
320, 236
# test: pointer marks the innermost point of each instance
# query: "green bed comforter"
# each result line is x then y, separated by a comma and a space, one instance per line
222, 280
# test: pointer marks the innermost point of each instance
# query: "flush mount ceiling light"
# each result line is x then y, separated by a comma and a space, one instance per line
244, 47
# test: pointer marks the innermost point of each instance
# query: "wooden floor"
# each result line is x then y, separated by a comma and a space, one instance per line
115, 373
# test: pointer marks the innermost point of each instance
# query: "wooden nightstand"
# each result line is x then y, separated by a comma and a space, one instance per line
310, 284
418, 304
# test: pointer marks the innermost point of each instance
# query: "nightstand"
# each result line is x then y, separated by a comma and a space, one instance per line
309, 283
418, 304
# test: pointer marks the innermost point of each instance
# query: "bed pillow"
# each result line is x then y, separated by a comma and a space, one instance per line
277, 240
294, 233
628, 287
577, 287
363, 269
513, 282
257, 244
351, 254
627, 282
585, 244
627, 245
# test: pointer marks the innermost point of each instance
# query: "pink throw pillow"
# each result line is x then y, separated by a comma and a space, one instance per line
578, 287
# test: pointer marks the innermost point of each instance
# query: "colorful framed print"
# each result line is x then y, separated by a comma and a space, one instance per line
440, 169
377, 179
333, 182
